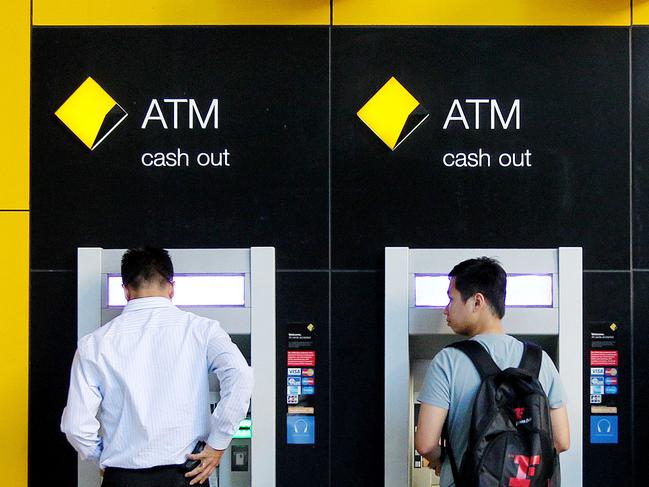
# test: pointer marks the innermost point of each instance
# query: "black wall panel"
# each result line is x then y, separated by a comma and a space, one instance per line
607, 298
308, 177
640, 89
52, 342
271, 84
357, 344
305, 298
573, 89
641, 378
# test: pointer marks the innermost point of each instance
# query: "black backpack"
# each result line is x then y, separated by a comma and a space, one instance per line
510, 438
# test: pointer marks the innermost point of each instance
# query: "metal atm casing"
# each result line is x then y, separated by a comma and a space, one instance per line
403, 320
256, 318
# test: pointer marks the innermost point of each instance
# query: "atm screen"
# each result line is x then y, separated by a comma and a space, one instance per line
523, 290
192, 290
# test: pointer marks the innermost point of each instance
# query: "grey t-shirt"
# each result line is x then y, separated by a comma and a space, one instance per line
452, 383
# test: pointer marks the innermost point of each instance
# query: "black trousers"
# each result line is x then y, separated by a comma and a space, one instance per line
164, 476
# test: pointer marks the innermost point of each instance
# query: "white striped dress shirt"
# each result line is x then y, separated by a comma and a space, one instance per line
139, 389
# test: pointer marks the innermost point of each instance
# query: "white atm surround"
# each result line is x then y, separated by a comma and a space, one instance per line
402, 319
256, 318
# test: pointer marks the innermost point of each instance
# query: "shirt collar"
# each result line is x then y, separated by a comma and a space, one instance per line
147, 303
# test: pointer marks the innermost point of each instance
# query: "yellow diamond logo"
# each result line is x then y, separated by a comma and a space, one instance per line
393, 113
310, 327
613, 326
91, 113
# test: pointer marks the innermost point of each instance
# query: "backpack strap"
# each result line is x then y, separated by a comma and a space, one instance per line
531, 360
486, 367
483, 362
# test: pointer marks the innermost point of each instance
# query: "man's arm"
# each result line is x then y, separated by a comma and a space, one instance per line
429, 432
235, 380
79, 421
560, 428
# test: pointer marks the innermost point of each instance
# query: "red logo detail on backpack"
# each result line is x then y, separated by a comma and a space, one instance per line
526, 468
519, 413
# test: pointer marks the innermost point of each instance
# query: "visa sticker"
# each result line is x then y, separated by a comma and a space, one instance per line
597, 371
596, 399
294, 371
610, 390
597, 381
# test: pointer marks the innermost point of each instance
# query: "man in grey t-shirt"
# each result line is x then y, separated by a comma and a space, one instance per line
476, 307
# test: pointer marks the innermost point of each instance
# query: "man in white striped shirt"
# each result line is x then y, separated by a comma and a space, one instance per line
139, 391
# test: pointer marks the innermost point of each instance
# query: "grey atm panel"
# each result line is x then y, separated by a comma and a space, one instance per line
414, 334
252, 327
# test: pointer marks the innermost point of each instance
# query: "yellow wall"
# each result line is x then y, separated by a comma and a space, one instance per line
481, 12
641, 12
14, 241
14, 130
346, 12
14, 123
180, 12
14, 326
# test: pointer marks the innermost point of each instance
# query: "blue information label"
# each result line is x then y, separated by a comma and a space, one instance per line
300, 429
603, 429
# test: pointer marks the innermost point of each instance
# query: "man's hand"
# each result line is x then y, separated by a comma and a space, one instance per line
437, 466
210, 459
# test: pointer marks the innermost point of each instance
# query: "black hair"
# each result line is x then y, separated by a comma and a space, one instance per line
146, 264
482, 275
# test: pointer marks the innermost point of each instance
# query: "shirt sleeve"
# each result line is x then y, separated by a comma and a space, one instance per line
235, 379
79, 420
437, 385
551, 382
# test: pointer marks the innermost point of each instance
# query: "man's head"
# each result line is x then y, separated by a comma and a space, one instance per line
476, 295
147, 271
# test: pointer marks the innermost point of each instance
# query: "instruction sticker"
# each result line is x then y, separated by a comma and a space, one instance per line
603, 429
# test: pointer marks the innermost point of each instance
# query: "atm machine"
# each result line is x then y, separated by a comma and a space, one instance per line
235, 287
544, 305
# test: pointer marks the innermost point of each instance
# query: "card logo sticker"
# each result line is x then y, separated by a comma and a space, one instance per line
298, 371
296, 381
596, 399
597, 371
91, 113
